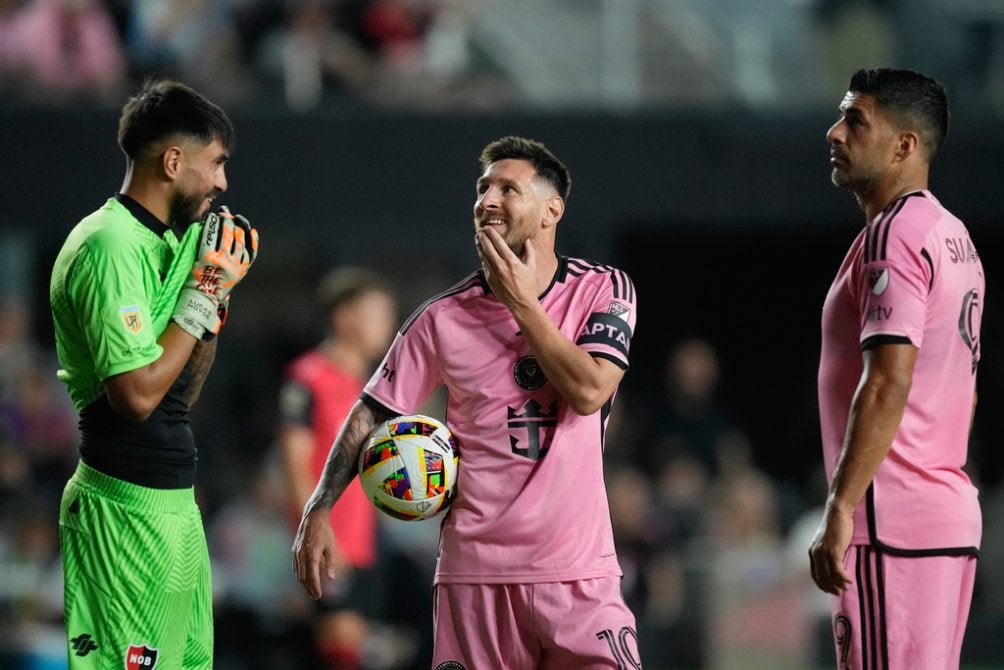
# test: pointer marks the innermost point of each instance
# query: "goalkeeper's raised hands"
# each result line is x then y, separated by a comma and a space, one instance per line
227, 248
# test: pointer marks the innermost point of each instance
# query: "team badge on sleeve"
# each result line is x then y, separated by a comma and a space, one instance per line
617, 309
878, 281
131, 318
140, 657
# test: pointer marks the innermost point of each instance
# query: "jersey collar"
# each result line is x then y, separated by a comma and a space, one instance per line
143, 215
560, 274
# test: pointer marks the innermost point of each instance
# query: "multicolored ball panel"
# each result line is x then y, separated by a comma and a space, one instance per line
409, 467
397, 485
435, 474
379, 452
408, 426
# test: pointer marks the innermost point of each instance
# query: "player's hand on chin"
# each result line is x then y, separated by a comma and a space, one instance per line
509, 276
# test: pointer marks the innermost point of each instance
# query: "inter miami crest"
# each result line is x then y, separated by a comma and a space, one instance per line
527, 374
140, 657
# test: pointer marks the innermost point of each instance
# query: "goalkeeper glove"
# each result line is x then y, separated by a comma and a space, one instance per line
227, 248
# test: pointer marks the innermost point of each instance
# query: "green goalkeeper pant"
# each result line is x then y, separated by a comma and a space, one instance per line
137, 586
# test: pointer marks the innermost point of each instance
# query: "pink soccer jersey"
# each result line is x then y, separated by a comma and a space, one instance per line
531, 505
911, 276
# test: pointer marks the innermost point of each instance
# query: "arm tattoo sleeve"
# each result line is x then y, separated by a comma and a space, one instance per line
341, 465
198, 367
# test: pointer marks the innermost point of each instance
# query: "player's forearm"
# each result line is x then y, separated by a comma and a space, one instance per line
198, 367
573, 372
875, 416
135, 394
343, 458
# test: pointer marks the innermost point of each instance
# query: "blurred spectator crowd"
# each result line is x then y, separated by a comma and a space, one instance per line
303, 52
38, 442
445, 55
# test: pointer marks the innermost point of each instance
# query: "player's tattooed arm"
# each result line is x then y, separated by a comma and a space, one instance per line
341, 467
198, 367
314, 552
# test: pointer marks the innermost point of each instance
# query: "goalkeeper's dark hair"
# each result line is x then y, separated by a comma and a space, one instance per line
344, 284
913, 101
162, 108
547, 166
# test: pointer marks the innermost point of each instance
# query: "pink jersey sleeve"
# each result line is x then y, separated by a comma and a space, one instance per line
893, 283
611, 320
403, 392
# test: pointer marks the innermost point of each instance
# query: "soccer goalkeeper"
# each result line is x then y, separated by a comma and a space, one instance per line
138, 293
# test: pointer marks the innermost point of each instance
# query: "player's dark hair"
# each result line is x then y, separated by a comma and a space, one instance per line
344, 284
916, 101
162, 108
547, 166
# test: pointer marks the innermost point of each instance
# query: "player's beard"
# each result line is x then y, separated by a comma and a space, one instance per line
186, 209
517, 235
509, 235
861, 182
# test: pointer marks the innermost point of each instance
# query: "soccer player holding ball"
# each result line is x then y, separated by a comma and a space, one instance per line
531, 349
901, 529
138, 293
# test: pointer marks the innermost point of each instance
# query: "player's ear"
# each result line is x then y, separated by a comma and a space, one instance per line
171, 161
908, 143
554, 209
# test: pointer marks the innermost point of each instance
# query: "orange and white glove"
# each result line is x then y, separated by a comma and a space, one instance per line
227, 248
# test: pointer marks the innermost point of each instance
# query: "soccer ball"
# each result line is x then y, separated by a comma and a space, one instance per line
409, 467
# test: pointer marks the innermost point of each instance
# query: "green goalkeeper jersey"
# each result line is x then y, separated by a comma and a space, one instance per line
113, 289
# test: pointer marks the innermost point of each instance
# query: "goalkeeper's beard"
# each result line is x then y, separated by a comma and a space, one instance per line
184, 210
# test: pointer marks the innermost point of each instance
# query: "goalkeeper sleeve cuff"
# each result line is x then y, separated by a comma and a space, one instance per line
197, 314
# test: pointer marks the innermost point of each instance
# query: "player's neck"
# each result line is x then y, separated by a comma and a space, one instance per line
147, 194
877, 202
908, 177
546, 270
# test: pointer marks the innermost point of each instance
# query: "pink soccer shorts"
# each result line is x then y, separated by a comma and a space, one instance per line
580, 625
902, 612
